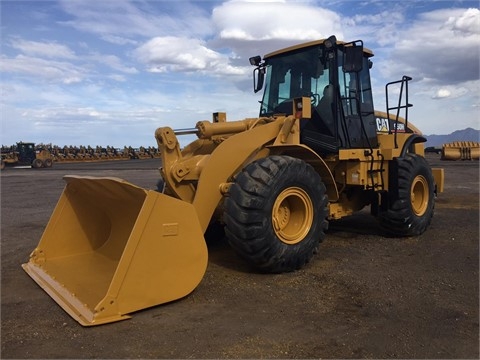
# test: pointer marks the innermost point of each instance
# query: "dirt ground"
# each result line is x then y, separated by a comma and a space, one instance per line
363, 295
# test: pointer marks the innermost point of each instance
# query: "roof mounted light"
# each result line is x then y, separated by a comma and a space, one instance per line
330, 42
255, 60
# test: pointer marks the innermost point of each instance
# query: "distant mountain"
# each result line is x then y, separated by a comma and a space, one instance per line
467, 134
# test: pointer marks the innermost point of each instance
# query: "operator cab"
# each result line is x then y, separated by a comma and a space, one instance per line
26, 153
335, 76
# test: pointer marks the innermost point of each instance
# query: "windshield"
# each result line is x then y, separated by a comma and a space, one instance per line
342, 107
291, 75
305, 72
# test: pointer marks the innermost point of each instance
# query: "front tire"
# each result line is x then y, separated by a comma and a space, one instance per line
276, 212
411, 208
37, 163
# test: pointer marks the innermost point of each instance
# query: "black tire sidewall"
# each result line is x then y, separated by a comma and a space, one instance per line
37, 163
261, 246
307, 184
400, 219
47, 163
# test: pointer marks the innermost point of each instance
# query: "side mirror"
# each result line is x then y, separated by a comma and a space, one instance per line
258, 78
353, 57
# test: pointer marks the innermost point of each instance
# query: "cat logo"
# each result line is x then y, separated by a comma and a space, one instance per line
382, 125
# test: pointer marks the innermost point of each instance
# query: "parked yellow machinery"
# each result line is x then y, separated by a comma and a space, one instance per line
461, 150
26, 154
99, 153
317, 152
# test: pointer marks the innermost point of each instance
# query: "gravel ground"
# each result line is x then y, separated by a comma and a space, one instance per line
363, 296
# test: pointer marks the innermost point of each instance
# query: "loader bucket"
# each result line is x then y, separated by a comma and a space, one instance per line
111, 248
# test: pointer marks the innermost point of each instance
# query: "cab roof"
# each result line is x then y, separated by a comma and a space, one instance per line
368, 52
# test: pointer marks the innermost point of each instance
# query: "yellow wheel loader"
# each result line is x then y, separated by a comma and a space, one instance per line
317, 152
26, 154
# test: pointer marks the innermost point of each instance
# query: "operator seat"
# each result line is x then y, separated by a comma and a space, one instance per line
325, 109
319, 132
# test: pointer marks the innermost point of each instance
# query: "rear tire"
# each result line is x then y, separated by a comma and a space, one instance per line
276, 213
411, 209
47, 163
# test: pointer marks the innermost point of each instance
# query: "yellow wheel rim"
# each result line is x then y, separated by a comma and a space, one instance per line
292, 215
419, 195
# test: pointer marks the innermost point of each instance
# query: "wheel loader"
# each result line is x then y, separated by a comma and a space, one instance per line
317, 152
25, 154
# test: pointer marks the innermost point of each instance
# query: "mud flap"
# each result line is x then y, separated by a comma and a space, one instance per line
111, 248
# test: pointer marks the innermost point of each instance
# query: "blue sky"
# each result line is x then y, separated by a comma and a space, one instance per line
109, 72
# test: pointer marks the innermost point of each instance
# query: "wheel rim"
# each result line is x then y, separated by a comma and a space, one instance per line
419, 196
292, 215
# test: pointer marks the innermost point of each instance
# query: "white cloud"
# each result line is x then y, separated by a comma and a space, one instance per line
163, 54
467, 23
42, 49
452, 92
441, 47
259, 20
119, 78
118, 40
113, 62
381, 28
249, 28
442, 93
120, 21
49, 70
57, 63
